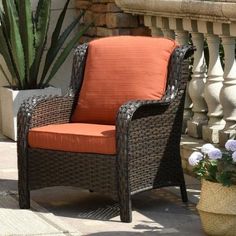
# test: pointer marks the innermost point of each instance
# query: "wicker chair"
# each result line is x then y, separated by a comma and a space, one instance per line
147, 141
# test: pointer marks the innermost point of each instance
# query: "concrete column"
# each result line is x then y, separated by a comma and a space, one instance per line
228, 91
196, 88
212, 91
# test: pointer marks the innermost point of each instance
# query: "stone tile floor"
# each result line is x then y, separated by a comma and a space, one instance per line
157, 212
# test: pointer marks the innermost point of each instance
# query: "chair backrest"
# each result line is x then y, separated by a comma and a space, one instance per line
119, 69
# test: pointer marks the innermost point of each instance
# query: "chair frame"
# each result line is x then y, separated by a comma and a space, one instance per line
148, 136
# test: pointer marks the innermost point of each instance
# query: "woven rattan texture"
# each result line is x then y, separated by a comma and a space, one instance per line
218, 224
78, 69
152, 149
148, 136
82, 170
37, 111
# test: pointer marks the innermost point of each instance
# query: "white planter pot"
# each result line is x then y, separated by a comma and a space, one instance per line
10, 104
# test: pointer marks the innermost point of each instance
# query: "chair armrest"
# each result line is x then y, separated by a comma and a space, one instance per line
141, 133
144, 127
178, 77
140, 108
42, 110
37, 111
137, 109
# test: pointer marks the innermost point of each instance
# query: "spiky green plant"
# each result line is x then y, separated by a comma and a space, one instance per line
23, 36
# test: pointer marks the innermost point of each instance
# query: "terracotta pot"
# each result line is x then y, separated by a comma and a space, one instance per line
217, 209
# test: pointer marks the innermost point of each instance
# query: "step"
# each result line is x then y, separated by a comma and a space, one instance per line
187, 146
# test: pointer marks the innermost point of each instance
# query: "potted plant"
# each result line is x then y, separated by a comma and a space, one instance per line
23, 37
217, 205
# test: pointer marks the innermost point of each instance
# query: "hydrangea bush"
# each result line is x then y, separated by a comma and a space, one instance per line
215, 165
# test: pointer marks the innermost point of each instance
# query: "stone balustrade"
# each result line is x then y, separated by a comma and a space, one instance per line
210, 106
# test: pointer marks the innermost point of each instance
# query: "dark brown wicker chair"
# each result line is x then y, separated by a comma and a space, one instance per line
148, 142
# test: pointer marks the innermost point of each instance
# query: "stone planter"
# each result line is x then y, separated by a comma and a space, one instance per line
10, 104
217, 209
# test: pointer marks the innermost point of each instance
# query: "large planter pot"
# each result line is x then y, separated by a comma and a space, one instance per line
217, 209
10, 104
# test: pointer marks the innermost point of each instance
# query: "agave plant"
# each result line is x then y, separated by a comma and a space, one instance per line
23, 37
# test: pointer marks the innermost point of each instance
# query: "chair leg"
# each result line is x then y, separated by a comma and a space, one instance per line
125, 209
183, 192
24, 198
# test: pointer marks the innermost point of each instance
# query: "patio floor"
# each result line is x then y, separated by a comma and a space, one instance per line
72, 211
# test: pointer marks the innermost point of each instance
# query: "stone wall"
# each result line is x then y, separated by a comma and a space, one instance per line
109, 20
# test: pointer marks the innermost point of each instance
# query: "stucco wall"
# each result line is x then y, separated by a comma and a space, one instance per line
62, 78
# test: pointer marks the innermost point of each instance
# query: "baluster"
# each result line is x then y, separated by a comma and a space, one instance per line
196, 88
228, 91
212, 92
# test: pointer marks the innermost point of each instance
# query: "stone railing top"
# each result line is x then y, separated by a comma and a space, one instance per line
211, 10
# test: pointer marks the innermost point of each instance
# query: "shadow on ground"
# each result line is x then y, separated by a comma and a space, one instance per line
8, 185
83, 204
154, 212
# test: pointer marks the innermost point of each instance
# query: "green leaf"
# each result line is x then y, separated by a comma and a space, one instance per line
17, 5
38, 9
212, 169
27, 36
41, 29
224, 178
7, 40
5, 18
41, 21
51, 54
62, 57
5, 53
60, 20
15, 39
56, 45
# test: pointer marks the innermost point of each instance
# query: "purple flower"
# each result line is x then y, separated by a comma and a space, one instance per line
215, 154
230, 145
194, 158
206, 148
234, 157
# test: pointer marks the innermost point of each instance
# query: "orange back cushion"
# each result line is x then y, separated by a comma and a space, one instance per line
119, 69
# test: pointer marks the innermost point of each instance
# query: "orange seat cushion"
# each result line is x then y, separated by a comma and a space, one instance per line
74, 137
119, 69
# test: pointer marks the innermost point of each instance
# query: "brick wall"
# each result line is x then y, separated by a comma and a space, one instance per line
109, 20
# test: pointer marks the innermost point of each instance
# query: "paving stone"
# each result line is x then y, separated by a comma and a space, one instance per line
154, 212
15, 221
